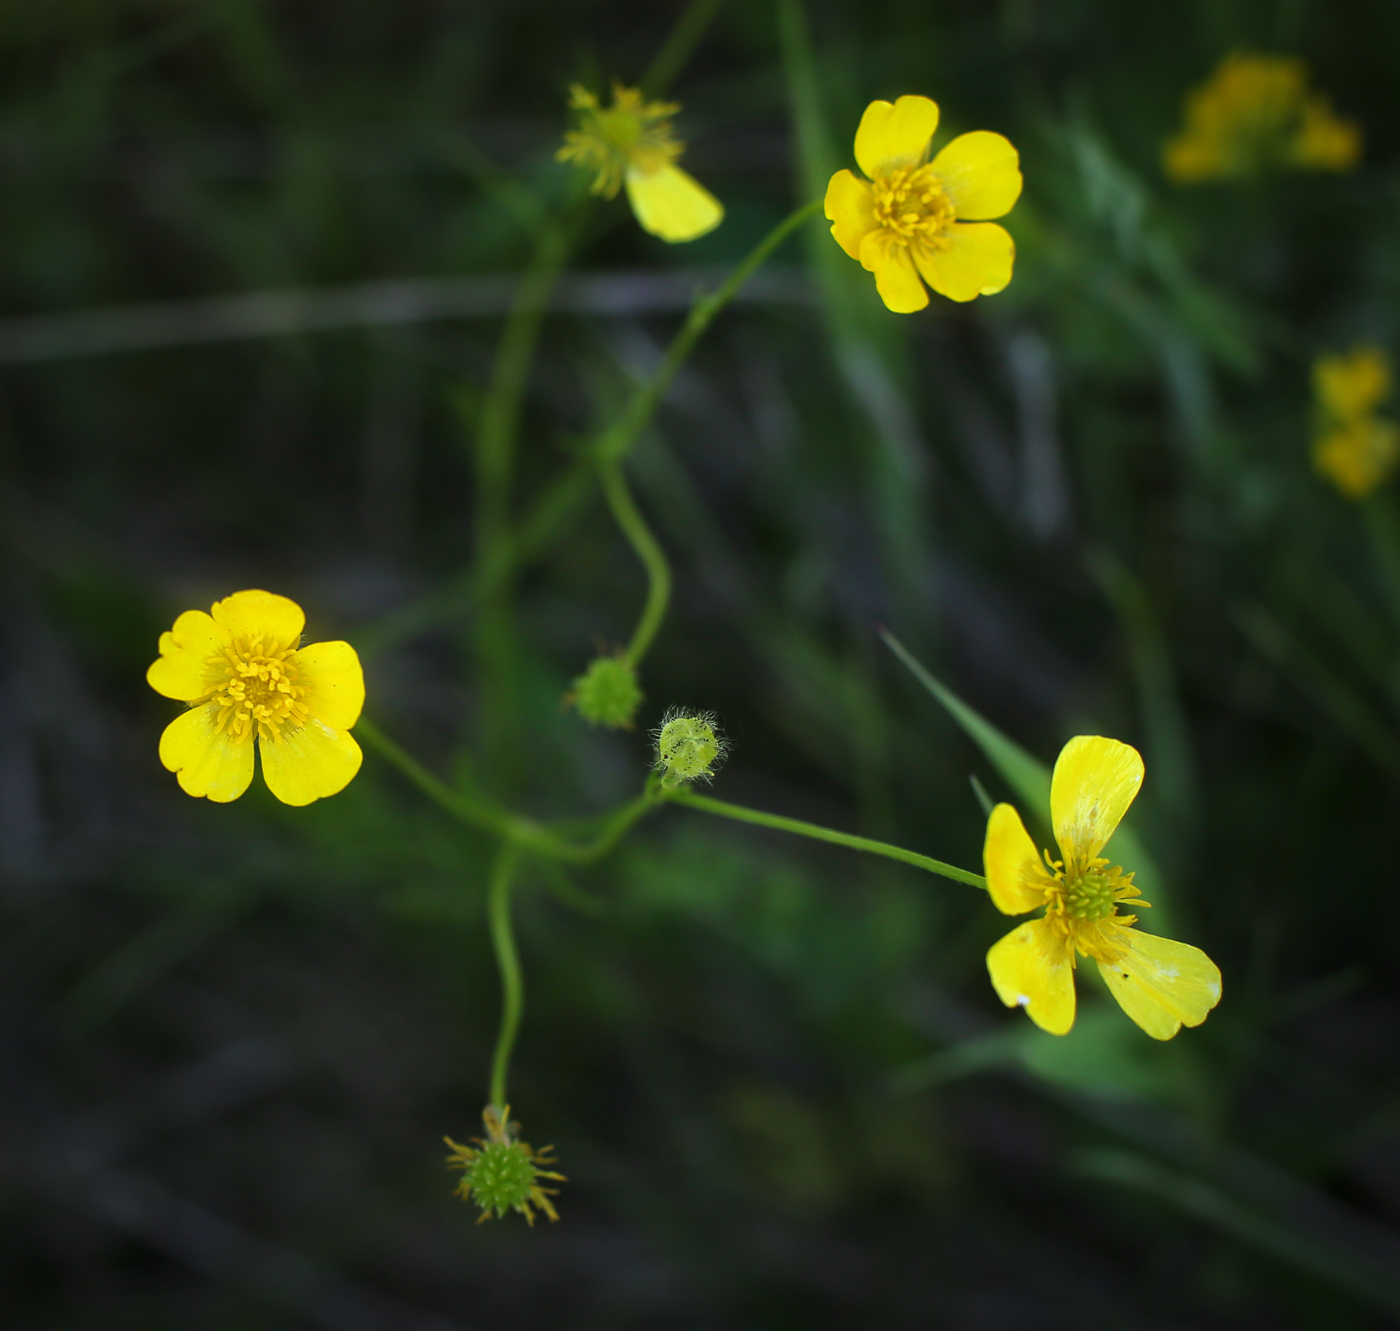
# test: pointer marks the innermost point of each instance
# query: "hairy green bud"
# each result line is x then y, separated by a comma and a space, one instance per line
688, 747
607, 693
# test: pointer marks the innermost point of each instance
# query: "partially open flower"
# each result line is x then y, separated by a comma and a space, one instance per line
629, 144
1161, 984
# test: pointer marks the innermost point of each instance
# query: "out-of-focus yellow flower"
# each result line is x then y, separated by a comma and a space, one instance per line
1255, 113
914, 220
245, 677
1162, 985
629, 144
1352, 446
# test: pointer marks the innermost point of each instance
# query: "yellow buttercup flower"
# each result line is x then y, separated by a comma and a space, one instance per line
245, 677
1254, 113
1352, 446
914, 220
1162, 985
629, 144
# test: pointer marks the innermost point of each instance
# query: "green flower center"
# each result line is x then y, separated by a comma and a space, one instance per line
1091, 895
911, 203
502, 1176
687, 748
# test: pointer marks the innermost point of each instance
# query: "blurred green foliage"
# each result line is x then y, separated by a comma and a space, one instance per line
774, 1072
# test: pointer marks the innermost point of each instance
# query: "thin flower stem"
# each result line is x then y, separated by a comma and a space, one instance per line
615, 442
520, 832
497, 430
463, 807
649, 551
679, 46
1384, 531
739, 813
508, 963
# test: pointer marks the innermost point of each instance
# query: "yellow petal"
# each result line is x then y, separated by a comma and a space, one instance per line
275, 619
977, 262
336, 683
1015, 872
850, 208
185, 652
205, 761
310, 762
981, 174
1161, 984
1032, 967
895, 135
672, 204
895, 277
1095, 781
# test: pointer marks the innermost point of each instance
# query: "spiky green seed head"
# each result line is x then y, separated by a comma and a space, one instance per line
607, 693
688, 747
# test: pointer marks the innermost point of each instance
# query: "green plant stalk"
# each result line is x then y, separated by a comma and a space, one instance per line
1384, 531
739, 813
614, 442
508, 963
649, 551
523, 833
676, 51
493, 624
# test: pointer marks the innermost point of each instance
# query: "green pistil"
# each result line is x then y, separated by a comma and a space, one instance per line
1091, 896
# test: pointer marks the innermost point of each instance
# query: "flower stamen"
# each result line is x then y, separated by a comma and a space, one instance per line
256, 691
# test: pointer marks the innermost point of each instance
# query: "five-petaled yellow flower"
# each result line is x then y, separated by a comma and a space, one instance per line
1352, 446
629, 144
1255, 113
1162, 985
914, 220
245, 677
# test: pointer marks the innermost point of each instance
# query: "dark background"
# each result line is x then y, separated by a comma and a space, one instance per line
775, 1073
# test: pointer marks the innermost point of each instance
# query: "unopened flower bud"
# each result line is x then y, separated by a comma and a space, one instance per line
688, 747
607, 693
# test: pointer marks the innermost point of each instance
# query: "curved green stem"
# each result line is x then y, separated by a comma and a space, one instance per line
649, 551
740, 814
617, 439
508, 963
465, 808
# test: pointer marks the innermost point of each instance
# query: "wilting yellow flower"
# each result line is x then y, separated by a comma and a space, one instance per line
1254, 113
1162, 985
1352, 446
245, 678
629, 144
915, 219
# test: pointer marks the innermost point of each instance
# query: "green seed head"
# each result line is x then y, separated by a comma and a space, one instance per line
502, 1177
607, 693
688, 747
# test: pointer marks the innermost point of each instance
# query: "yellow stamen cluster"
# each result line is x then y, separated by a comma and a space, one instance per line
910, 204
629, 133
1079, 902
256, 691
